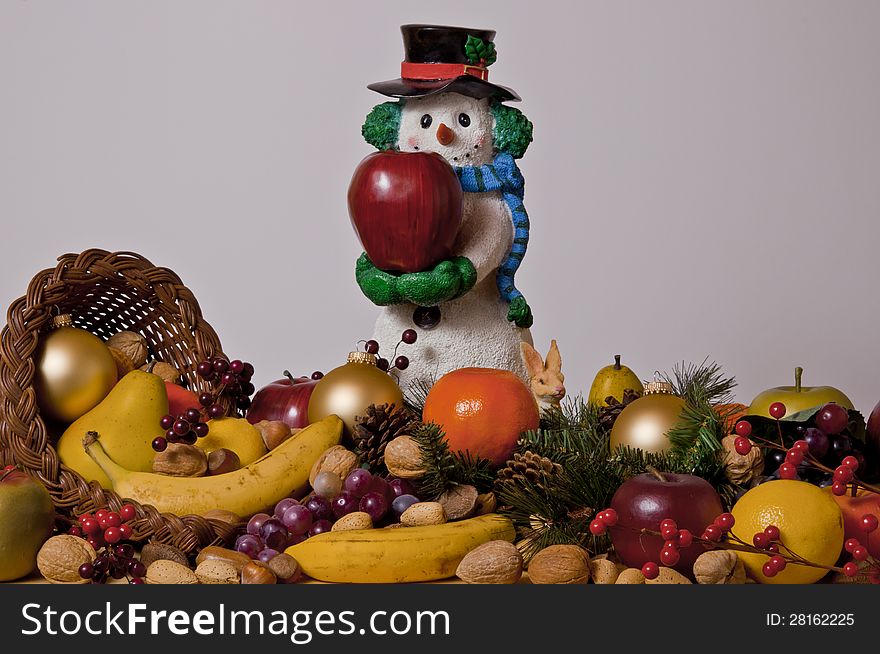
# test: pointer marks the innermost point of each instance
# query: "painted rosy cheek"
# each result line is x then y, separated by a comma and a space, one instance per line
481, 138
411, 141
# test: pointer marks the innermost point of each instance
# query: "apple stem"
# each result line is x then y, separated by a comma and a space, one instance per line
617, 362
798, 373
659, 475
288, 375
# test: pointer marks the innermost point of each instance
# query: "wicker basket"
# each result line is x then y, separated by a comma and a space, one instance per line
106, 292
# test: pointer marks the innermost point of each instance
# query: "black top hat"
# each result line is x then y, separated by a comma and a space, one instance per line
439, 59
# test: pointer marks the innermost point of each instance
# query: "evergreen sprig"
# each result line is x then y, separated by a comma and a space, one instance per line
444, 468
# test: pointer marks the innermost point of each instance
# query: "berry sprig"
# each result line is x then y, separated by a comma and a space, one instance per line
104, 531
235, 383
409, 336
803, 454
719, 535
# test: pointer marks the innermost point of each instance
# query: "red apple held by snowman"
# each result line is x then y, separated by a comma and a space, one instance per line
406, 208
285, 399
645, 500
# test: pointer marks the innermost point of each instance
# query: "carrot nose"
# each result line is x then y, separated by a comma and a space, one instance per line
445, 135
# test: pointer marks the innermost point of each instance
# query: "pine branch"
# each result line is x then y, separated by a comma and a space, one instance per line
417, 393
445, 468
701, 384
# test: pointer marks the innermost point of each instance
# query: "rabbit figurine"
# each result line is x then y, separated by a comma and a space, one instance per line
546, 380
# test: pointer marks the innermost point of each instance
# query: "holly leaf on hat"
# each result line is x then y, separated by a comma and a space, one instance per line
479, 52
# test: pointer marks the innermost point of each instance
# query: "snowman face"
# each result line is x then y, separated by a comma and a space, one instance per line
453, 125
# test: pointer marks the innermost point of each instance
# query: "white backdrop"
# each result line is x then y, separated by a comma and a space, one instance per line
705, 176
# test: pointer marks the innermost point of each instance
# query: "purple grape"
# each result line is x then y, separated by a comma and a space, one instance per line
296, 539
379, 485
358, 482
842, 446
401, 487
402, 503
818, 442
298, 519
832, 418
343, 504
282, 506
320, 507
320, 527
267, 555
256, 523
249, 544
274, 534
375, 505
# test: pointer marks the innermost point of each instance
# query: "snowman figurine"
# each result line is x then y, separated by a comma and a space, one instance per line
467, 310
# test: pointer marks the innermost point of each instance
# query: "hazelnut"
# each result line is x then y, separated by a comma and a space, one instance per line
286, 568
459, 502
222, 461
273, 432
152, 552
256, 572
61, 556
181, 460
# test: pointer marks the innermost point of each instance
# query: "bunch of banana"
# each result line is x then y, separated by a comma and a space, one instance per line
246, 491
389, 556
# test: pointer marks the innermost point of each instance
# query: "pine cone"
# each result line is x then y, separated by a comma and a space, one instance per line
373, 431
608, 414
537, 469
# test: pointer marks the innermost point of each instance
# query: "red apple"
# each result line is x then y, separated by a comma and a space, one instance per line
180, 399
406, 208
26, 517
872, 439
852, 509
643, 501
285, 399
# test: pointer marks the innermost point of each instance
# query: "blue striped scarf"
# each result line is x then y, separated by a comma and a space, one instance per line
503, 175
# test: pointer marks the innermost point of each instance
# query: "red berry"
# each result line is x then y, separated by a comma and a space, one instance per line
75, 530
112, 535
778, 562
668, 522
787, 471
317, 375
401, 362
851, 569
860, 553
382, 364
743, 428
127, 512
769, 569
843, 474
669, 556
597, 527
838, 488
113, 519
125, 531
725, 521
91, 526
409, 336
372, 347
685, 538
850, 462
609, 517
650, 570
100, 513
851, 544
868, 523
85, 516
96, 541
669, 533
772, 532
742, 445
713, 533
773, 547
777, 410
802, 446
794, 457
761, 540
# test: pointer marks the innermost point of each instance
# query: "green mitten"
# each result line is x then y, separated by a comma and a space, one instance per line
446, 281
377, 285
520, 313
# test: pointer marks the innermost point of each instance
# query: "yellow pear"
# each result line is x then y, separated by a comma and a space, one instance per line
612, 381
235, 434
127, 420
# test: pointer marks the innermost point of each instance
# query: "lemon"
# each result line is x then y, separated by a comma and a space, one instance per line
235, 434
810, 525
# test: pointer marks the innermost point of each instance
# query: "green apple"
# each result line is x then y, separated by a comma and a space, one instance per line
26, 516
797, 398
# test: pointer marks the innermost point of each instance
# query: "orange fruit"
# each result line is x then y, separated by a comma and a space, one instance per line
483, 411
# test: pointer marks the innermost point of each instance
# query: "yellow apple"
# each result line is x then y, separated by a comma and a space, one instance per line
797, 398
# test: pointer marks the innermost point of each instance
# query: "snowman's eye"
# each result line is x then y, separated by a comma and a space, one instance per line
426, 121
464, 120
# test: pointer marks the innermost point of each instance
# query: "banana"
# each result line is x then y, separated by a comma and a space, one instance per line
390, 556
246, 491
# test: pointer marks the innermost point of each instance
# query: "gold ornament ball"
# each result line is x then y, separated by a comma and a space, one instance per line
348, 390
75, 371
644, 423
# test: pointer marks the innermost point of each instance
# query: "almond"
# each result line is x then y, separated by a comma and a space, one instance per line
215, 571
603, 571
423, 513
495, 562
668, 576
170, 572
630, 576
352, 521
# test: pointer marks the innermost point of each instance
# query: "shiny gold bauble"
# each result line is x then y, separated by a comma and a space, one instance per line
645, 422
348, 390
75, 371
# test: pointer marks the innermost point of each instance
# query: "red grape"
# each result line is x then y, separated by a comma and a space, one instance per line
249, 544
298, 519
818, 442
358, 482
832, 418
344, 503
320, 527
255, 523
375, 505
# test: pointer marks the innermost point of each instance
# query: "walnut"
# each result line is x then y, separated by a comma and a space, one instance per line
134, 346
336, 459
560, 564
495, 562
403, 458
719, 567
741, 469
459, 502
164, 370
181, 460
123, 363
61, 556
